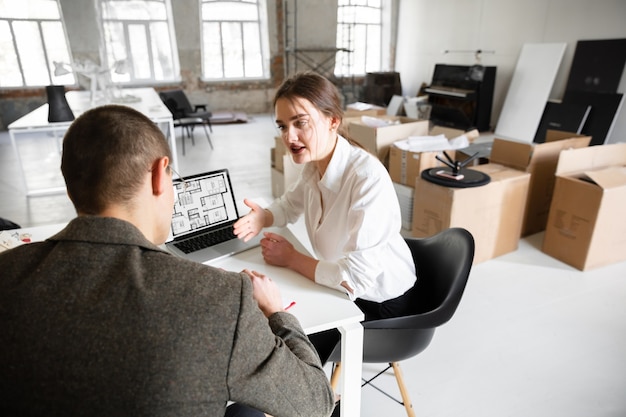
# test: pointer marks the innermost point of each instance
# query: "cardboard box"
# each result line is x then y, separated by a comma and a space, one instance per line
406, 166
586, 227
282, 180
278, 183
540, 161
377, 140
278, 151
359, 109
493, 213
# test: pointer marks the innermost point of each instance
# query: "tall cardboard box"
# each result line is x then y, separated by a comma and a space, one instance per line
540, 161
377, 140
492, 213
586, 227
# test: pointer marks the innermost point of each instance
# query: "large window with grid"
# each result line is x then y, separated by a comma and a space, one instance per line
235, 40
32, 38
362, 29
139, 40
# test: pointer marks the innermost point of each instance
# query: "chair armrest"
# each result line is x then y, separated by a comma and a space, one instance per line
199, 107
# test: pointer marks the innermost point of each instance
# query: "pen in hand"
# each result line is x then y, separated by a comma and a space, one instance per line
291, 304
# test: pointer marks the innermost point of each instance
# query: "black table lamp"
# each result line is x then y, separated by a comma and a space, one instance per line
58, 108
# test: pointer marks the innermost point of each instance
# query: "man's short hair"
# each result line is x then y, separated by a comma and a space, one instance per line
106, 153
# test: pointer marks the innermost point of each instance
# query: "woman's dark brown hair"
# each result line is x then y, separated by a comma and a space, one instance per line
320, 92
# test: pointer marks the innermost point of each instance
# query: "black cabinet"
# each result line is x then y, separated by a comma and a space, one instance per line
461, 96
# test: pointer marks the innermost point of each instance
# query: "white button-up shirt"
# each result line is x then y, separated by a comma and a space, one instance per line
353, 220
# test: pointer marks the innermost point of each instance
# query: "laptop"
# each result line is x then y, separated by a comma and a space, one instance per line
202, 222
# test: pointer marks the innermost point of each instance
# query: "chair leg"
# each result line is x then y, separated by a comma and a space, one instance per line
191, 135
334, 377
182, 129
207, 135
403, 391
406, 399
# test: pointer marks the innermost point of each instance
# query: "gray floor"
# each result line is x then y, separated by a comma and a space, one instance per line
532, 336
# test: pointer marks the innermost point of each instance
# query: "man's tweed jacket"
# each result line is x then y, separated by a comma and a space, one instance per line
97, 321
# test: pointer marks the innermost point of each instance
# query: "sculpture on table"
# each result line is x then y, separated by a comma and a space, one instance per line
98, 76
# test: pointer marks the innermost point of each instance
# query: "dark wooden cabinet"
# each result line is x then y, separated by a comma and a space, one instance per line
461, 96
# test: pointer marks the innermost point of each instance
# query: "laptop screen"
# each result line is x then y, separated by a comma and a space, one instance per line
203, 202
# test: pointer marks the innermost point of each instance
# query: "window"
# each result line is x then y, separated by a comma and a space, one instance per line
235, 41
139, 42
32, 38
361, 29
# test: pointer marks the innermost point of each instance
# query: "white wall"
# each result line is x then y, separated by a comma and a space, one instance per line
426, 28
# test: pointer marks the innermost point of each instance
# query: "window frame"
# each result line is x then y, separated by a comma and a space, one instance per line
107, 55
343, 69
263, 47
65, 79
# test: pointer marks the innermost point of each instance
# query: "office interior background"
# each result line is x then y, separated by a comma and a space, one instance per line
532, 335
414, 37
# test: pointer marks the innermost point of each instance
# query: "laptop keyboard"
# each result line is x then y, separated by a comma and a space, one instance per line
205, 240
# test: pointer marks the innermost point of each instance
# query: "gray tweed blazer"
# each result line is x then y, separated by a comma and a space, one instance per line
97, 321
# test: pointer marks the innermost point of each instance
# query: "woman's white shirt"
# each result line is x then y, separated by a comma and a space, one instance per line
353, 220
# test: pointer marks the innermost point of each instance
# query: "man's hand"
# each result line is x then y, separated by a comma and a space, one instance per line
265, 292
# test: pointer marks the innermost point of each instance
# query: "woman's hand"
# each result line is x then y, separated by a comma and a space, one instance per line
277, 250
251, 224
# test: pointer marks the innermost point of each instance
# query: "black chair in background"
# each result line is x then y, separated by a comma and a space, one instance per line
443, 264
186, 116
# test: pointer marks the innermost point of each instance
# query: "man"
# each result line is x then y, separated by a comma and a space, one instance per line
97, 320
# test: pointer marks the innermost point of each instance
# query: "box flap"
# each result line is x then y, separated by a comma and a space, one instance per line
554, 135
591, 158
610, 177
511, 153
550, 151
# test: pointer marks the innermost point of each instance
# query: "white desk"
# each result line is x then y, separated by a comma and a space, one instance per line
149, 103
317, 308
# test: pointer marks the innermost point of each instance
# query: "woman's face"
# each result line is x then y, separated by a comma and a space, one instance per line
308, 134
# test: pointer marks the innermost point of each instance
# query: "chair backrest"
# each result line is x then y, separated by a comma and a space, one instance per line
443, 264
177, 102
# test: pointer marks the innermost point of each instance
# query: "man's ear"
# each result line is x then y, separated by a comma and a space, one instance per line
160, 176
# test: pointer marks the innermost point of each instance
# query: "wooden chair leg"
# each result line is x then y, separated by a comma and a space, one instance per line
403, 391
334, 378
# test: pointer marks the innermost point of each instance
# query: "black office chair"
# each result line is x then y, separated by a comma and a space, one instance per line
443, 263
185, 116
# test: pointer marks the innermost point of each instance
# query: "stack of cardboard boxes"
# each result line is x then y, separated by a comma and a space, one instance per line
405, 166
514, 203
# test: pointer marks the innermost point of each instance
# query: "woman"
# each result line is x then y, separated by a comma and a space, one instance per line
351, 210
